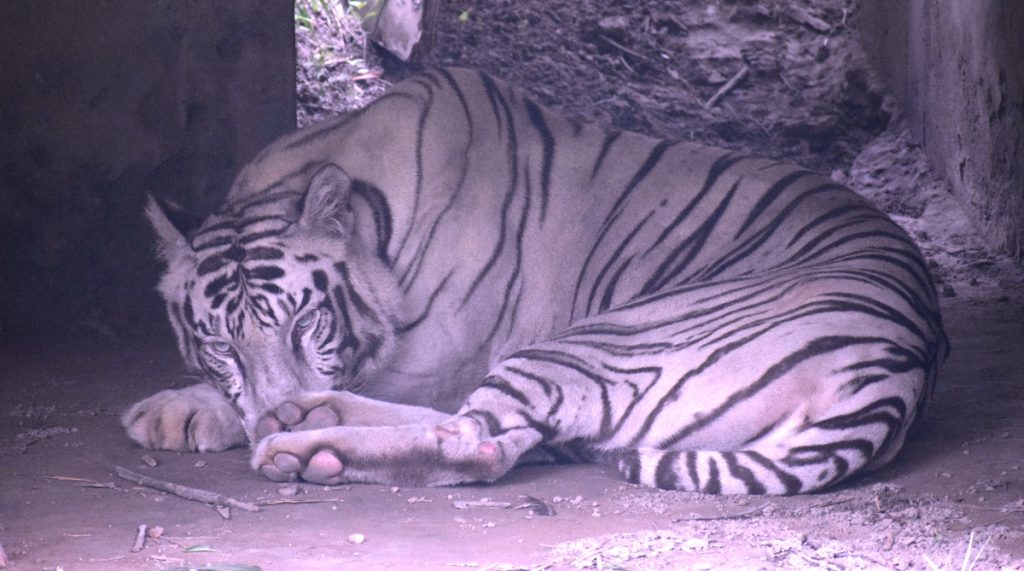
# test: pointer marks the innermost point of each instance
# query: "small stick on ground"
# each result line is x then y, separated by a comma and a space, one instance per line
3, 557
827, 504
287, 502
624, 49
741, 515
729, 86
140, 539
186, 492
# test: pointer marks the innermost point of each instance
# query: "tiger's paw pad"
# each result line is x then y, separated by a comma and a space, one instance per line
462, 440
462, 427
323, 467
274, 472
290, 416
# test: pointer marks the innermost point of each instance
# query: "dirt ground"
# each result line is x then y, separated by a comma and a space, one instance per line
61, 505
953, 500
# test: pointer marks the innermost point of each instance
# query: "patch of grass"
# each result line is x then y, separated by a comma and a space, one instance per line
335, 72
969, 562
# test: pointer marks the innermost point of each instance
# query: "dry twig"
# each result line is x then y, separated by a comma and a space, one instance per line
826, 504
481, 503
140, 539
729, 86
624, 49
84, 482
186, 492
744, 514
3, 557
803, 17
288, 502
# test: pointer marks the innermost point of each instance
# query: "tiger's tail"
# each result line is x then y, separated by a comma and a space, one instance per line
795, 457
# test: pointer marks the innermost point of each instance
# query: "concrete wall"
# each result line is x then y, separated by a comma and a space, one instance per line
957, 68
103, 102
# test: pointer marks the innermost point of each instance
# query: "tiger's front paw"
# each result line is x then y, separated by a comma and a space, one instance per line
310, 411
193, 419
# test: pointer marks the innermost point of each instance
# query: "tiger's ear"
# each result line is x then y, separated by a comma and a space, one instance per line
172, 224
325, 208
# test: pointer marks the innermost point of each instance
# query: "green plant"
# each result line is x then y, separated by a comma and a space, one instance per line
331, 17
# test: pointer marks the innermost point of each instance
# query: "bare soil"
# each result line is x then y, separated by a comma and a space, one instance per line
957, 490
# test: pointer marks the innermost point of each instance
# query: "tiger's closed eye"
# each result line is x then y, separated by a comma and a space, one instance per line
219, 347
307, 320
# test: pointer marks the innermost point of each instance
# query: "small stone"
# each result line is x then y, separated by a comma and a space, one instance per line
615, 27
696, 544
288, 490
357, 539
716, 78
199, 464
149, 461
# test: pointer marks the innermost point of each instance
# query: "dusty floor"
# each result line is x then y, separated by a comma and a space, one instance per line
648, 67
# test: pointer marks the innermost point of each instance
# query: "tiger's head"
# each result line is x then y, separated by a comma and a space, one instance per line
279, 293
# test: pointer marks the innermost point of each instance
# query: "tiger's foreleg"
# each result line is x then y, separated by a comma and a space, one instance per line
334, 436
316, 410
515, 409
452, 452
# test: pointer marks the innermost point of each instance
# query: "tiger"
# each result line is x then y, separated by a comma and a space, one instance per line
434, 288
